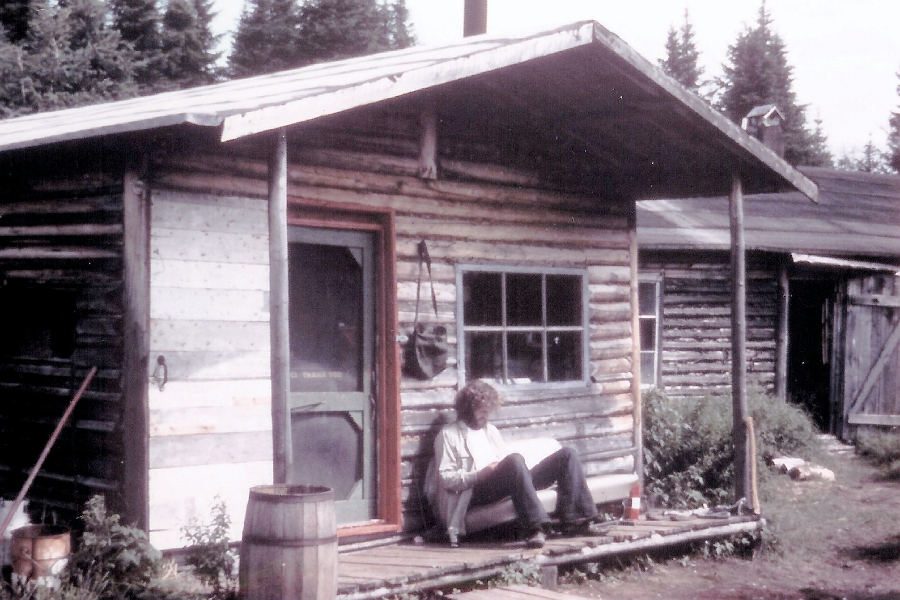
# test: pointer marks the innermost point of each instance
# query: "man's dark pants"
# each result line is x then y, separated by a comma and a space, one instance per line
512, 478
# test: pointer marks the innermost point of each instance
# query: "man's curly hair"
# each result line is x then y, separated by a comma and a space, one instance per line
475, 395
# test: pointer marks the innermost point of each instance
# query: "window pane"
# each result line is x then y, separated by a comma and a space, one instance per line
523, 299
647, 298
482, 300
648, 368
563, 300
484, 355
648, 334
564, 355
525, 357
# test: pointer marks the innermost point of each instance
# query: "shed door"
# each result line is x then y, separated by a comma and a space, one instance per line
332, 330
872, 359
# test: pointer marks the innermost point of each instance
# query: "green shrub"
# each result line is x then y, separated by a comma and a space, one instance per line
881, 449
113, 560
688, 449
210, 553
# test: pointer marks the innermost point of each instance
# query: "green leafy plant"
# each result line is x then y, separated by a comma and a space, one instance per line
210, 553
688, 449
112, 560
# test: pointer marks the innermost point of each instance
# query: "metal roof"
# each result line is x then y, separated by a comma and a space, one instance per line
858, 214
578, 82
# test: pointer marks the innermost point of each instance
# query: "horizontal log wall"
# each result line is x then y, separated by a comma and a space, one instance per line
210, 425
61, 249
696, 326
478, 214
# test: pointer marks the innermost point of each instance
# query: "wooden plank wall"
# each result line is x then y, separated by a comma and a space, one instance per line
62, 237
872, 365
211, 425
696, 325
476, 214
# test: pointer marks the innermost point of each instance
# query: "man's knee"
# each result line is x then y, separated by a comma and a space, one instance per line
516, 461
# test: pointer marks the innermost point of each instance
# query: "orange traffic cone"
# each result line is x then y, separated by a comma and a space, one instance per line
633, 510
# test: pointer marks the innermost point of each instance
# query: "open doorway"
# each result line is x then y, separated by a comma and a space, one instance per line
809, 348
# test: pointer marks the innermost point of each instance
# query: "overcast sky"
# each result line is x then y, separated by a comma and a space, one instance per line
845, 53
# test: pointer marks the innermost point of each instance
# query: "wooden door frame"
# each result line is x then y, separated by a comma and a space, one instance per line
305, 212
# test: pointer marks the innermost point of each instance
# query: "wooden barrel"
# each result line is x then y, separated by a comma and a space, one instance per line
289, 544
40, 552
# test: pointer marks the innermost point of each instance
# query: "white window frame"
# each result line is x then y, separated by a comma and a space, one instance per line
656, 280
583, 327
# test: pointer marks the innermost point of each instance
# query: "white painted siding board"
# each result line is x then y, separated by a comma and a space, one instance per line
209, 336
207, 449
196, 420
208, 305
195, 394
213, 246
180, 494
217, 366
209, 275
205, 212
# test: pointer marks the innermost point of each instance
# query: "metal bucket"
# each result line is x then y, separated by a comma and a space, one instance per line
40, 553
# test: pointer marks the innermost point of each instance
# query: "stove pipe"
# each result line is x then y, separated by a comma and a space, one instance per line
474, 17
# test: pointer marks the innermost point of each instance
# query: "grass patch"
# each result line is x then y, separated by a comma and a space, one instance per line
882, 450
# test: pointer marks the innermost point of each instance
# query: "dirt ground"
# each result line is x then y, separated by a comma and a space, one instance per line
830, 540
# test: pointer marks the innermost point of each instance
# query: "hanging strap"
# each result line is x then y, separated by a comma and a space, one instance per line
426, 259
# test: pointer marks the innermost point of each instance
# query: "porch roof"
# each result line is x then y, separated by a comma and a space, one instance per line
858, 215
614, 121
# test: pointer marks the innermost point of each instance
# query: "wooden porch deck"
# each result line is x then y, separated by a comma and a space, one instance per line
406, 567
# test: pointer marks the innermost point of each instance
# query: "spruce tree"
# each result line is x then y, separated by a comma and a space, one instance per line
187, 52
336, 29
682, 57
758, 73
893, 153
266, 38
139, 23
869, 160
70, 57
14, 20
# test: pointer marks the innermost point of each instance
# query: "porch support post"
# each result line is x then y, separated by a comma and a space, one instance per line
278, 309
739, 341
635, 343
135, 358
428, 138
781, 347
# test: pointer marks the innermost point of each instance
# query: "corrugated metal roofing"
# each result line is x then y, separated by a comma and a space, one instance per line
664, 117
858, 214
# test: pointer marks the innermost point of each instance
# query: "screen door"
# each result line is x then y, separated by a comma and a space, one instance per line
332, 332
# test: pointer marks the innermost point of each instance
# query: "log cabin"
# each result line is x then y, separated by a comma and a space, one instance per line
822, 297
241, 261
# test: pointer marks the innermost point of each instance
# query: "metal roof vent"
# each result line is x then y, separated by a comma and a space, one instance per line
766, 123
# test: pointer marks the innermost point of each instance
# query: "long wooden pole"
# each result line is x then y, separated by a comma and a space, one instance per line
278, 306
782, 341
739, 339
40, 461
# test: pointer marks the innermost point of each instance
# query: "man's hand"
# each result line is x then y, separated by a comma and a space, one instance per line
485, 472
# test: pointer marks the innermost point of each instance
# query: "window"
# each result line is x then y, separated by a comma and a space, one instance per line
523, 326
649, 312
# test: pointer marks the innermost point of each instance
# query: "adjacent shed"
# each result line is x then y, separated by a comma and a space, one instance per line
241, 260
822, 297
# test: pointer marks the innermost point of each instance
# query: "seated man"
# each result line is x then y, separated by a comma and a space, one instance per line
471, 467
